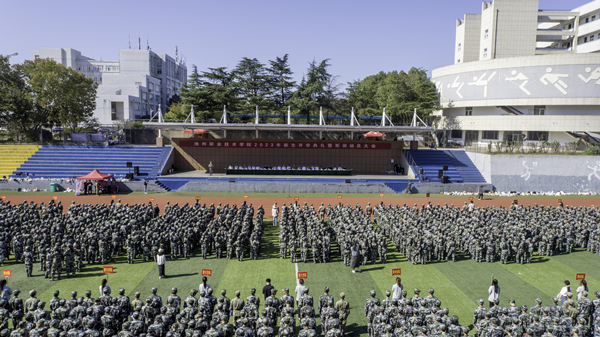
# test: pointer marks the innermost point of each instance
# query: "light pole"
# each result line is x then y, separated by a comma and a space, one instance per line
11, 55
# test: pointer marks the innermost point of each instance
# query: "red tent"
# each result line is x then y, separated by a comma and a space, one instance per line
95, 175
196, 131
373, 134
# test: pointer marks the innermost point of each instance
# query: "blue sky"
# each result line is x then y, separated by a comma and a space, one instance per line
360, 37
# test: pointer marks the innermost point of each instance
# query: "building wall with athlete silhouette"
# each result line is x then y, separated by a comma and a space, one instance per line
548, 90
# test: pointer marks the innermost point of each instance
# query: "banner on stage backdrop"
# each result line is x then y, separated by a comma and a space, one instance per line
288, 145
78, 186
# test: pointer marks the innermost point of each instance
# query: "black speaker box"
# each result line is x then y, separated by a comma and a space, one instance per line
440, 174
129, 164
136, 170
445, 180
445, 167
129, 176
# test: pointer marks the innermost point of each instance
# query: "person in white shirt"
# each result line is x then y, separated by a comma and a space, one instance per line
275, 213
5, 290
582, 287
562, 295
160, 261
471, 206
397, 289
104, 285
300, 291
494, 292
204, 286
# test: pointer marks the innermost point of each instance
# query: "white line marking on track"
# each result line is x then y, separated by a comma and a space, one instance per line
296, 276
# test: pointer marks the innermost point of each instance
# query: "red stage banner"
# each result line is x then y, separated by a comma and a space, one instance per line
396, 271
206, 272
286, 145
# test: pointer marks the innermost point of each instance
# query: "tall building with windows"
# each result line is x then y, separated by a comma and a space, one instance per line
128, 89
522, 73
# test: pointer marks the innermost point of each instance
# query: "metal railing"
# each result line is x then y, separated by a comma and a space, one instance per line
531, 148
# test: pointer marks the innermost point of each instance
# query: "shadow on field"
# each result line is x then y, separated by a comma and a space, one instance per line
354, 329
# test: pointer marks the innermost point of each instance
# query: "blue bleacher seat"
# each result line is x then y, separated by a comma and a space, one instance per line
97, 137
460, 167
79, 137
69, 161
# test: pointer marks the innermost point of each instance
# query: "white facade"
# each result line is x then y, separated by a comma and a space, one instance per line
521, 73
132, 87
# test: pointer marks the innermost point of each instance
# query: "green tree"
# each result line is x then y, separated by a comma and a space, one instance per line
311, 90
43, 91
252, 84
398, 92
281, 78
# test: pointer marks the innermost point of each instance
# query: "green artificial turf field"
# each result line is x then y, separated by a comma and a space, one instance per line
458, 285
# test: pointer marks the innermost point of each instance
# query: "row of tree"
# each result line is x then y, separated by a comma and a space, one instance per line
272, 89
41, 92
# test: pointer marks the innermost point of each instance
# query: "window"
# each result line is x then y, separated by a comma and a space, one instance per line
593, 18
458, 61
587, 20
459, 46
37, 57
513, 136
584, 39
99, 68
456, 134
490, 135
591, 38
468, 111
151, 86
570, 26
539, 110
485, 52
143, 95
138, 83
486, 34
537, 135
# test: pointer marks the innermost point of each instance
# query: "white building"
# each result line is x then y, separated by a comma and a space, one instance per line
130, 88
521, 73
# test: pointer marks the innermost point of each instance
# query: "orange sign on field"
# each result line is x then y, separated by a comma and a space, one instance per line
3, 197
206, 272
559, 201
302, 274
516, 201
245, 196
151, 199
580, 277
381, 194
296, 198
198, 198
6, 273
396, 271
114, 196
339, 196
107, 270
55, 197
470, 198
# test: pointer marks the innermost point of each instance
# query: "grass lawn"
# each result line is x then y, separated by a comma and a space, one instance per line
458, 285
